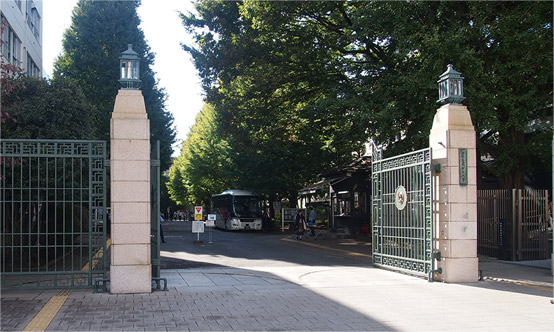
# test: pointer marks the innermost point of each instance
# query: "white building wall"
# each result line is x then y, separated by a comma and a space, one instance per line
18, 15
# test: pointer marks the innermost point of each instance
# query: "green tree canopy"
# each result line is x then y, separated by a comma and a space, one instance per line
99, 32
278, 121
203, 167
40, 109
296, 81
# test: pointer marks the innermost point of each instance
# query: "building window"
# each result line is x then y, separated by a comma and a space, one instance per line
16, 51
5, 38
342, 204
364, 202
11, 44
356, 202
32, 68
33, 19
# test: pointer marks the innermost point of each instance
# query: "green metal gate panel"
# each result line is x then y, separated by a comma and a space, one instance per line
402, 217
155, 216
53, 213
155, 209
512, 224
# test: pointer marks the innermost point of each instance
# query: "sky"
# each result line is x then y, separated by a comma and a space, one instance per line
164, 34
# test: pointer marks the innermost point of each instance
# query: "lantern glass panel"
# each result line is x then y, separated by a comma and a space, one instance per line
135, 70
123, 69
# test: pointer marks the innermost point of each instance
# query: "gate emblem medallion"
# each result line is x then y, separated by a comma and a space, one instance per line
400, 198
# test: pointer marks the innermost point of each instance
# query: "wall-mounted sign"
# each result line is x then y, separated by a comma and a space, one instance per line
400, 198
462, 153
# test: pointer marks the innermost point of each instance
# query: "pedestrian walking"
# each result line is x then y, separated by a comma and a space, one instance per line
162, 229
311, 220
300, 222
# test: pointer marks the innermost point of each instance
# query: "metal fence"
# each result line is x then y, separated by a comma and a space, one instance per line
402, 212
53, 213
513, 224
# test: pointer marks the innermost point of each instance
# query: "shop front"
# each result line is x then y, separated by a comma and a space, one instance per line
345, 192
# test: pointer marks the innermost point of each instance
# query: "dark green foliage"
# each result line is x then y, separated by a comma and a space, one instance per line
99, 32
298, 86
47, 110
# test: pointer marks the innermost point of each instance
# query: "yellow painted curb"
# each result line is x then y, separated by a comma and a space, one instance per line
99, 254
48, 312
534, 286
519, 283
328, 248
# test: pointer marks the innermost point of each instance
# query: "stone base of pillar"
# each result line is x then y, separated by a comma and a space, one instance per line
127, 279
460, 270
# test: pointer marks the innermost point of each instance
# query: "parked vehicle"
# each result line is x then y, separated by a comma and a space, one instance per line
237, 209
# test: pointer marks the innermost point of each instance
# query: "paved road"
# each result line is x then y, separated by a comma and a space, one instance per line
253, 248
270, 282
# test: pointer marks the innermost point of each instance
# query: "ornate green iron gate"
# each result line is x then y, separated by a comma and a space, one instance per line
53, 213
402, 212
155, 215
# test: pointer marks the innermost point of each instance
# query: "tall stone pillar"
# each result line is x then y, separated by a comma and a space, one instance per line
453, 145
130, 270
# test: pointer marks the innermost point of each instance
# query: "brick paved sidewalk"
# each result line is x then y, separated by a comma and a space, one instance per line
513, 297
297, 298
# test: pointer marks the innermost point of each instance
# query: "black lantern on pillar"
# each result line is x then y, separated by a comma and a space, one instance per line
129, 69
451, 87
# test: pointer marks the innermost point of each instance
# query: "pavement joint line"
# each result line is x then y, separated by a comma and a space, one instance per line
45, 316
324, 247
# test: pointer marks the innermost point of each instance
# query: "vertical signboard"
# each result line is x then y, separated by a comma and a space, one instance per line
463, 166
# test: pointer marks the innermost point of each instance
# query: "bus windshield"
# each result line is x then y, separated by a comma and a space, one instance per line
248, 206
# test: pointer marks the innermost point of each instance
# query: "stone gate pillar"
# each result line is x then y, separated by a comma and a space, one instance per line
130, 269
453, 145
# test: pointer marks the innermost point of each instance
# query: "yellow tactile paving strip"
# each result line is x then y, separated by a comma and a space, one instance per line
48, 312
53, 306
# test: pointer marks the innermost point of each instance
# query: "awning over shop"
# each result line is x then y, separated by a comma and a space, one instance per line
321, 185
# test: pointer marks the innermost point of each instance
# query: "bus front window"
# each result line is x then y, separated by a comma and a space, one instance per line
248, 206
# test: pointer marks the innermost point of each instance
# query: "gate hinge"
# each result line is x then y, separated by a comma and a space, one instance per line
436, 168
106, 163
158, 286
154, 163
436, 255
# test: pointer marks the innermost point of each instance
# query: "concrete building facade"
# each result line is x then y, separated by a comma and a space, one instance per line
21, 37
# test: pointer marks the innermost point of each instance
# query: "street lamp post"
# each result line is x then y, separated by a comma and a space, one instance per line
130, 69
451, 87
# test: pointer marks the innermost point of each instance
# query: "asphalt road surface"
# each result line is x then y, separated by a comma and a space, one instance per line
243, 249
